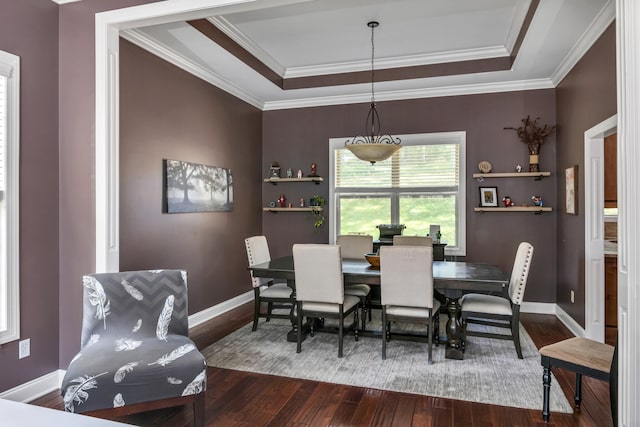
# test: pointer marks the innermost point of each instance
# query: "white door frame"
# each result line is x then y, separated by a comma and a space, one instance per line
594, 227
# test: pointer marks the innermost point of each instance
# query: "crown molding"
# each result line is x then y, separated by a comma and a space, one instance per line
147, 43
247, 44
412, 94
601, 22
516, 25
65, 1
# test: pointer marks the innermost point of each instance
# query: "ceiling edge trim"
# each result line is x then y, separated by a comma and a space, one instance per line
600, 23
473, 89
143, 41
515, 31
65, 1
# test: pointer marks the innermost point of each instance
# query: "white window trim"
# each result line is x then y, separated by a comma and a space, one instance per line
10, 66
414, 139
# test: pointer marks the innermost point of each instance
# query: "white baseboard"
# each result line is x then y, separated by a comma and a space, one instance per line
568, 321
538, 307
217, 310
35, 388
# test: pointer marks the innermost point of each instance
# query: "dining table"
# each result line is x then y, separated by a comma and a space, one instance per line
451, 280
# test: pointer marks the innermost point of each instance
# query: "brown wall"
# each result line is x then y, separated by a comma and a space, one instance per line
297, 137
77, 162
586, 97
193, 121
38, 52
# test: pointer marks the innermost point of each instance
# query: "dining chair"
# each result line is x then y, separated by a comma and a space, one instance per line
320, 289
412, 241
354, 246
584, 357
275, 295
135, 353
406, 290
500, 311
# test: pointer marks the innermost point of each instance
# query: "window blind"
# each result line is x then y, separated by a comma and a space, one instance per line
414, 166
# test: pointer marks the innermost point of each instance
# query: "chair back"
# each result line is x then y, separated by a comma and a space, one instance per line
355, 245
412, 241
520, 272
406, 276
257, 253
145, 303
318, 273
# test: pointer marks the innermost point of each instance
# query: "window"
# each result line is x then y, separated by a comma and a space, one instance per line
422, 184
9, 149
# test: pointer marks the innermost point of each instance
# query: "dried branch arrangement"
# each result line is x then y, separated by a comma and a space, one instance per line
531, 132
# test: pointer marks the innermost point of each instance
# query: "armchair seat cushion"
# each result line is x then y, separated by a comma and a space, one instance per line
490, 304
417, 312
349, 302
357, 289
279, 290
113, 372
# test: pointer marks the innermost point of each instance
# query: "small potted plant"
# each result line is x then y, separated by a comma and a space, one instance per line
316, 203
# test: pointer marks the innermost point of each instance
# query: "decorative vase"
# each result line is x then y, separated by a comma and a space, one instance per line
534, 156
282, 201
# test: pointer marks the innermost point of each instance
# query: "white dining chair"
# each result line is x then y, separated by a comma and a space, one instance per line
412, 241
320, 289
406, 290
275, 295
354, 246
500, 311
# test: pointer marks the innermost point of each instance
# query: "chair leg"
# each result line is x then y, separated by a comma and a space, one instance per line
256, 308
430, 336
198, 410
578, 394
436, 329
515, 332
299, 324
340, 331
384, 332
369, 305
546, 384
355, 323
269, 309
365, 306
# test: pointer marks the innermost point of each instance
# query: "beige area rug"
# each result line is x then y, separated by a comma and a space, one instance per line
490, 372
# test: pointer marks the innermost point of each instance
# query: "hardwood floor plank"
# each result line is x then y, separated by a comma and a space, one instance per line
239, 399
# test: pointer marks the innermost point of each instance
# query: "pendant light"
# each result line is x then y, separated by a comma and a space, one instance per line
374, 146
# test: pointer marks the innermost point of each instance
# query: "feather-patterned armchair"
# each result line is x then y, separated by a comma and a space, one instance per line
135, 351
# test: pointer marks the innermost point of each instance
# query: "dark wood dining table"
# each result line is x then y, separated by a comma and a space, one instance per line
451, 281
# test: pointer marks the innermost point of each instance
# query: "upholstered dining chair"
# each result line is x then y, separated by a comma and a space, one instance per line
354, 246
320, 289
499, 311
406, 291
584, 357
135, 353
275, 295
412, 241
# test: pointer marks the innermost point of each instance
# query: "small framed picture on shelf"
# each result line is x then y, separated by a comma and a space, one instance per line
489, 197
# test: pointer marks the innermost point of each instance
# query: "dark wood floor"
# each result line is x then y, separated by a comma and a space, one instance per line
237, 398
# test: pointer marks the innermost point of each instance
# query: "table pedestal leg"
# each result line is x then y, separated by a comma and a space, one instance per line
292, 335
455, 347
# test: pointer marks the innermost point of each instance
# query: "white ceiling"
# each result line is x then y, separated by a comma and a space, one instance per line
323, 37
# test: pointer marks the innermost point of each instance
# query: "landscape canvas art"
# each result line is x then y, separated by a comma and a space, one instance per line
192, 187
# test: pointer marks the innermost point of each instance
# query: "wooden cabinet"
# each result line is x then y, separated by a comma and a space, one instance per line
610, 172
611, 291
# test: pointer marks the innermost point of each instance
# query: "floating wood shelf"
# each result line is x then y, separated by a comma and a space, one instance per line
292, 209
534, 209
275, 181
536, 175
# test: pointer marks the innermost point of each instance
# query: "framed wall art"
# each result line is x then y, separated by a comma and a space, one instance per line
571, 189
192, 187
488, 197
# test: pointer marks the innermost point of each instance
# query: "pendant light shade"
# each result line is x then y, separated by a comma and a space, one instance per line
374, 146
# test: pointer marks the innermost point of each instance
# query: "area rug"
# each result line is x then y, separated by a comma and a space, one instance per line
490, 372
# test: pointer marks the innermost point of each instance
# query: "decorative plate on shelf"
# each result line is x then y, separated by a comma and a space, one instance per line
484, 166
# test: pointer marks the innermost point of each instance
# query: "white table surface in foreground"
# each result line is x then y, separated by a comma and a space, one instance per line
16, 414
